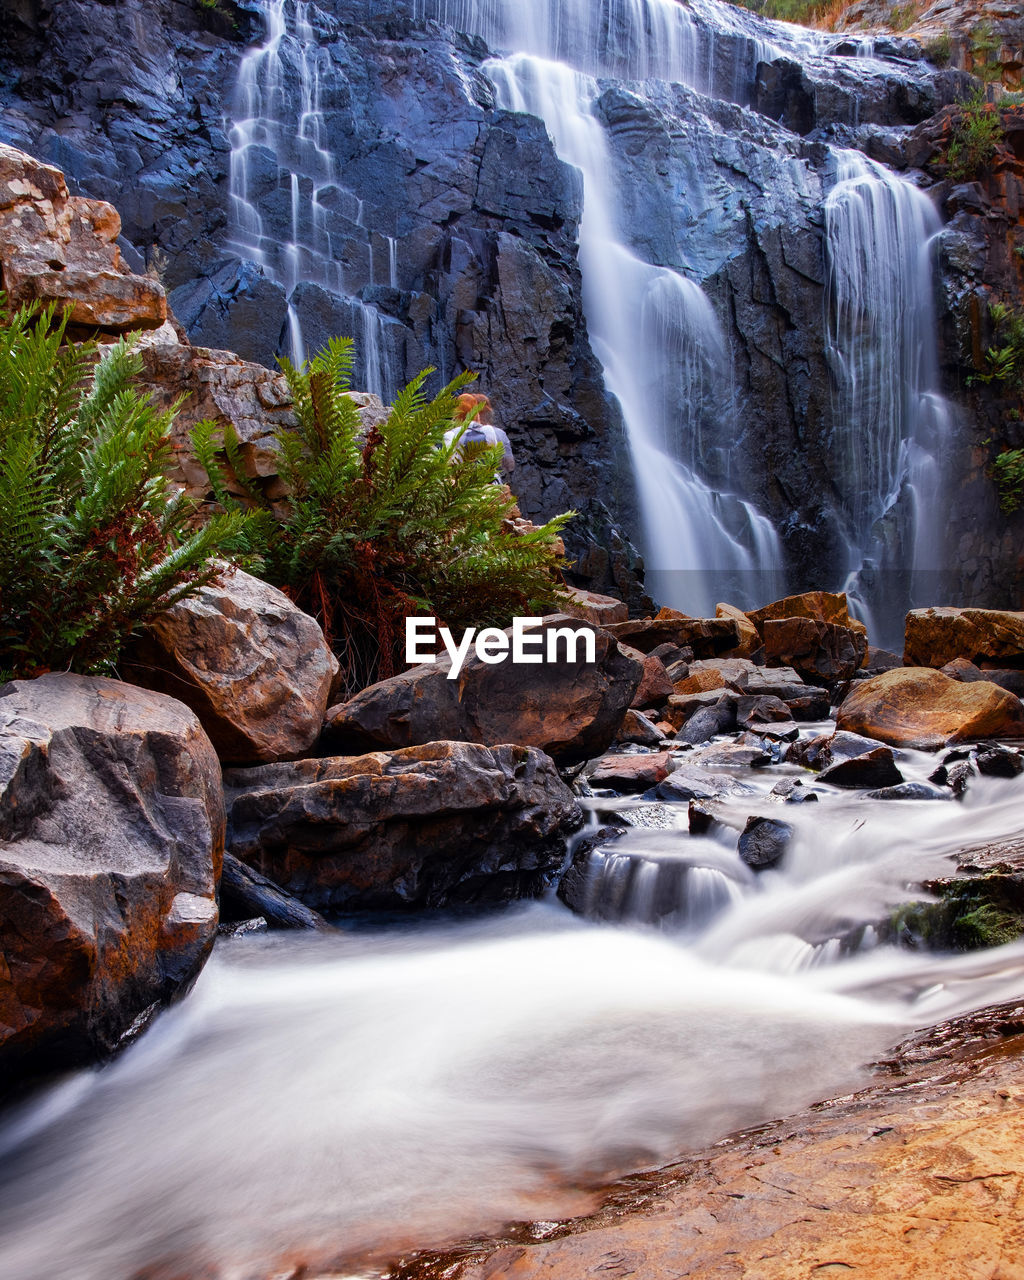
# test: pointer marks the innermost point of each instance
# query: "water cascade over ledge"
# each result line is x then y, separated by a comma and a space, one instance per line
656, 316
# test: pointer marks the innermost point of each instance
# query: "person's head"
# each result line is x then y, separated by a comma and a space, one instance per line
469, 401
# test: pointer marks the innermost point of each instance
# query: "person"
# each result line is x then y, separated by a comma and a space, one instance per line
480, 431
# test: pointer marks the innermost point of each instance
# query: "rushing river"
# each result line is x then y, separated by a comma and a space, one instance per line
348, 1097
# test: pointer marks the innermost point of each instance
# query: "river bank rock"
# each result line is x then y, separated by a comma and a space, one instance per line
419, 827
61, 249
822, 652
912, 1176
935, 637
655, 686
593, 607
570, 710
111, 837
254, 668
631, 772
707, 637
920, 707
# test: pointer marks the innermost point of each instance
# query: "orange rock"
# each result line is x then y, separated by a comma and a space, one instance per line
750, 640
822, 652
825, 606
632, 773
703, 681
655, 686
59, 248
592, 607
935, 637
920, 707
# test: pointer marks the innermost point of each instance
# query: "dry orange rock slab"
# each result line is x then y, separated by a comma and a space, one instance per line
919, 707
923, 1181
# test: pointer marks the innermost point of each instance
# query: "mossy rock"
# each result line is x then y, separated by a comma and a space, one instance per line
968, 915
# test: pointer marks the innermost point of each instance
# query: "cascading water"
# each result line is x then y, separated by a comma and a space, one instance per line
892, 427
281, 162
664, 359
324, 1101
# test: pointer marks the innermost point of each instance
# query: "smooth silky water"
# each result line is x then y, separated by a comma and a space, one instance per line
350, 1097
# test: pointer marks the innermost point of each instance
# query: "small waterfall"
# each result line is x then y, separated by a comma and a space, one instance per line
892, 428
664, 359
283, 173
706, 45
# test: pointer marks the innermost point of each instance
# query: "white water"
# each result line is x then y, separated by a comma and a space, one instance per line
664, 359
319, 1099
282, 169
892, 427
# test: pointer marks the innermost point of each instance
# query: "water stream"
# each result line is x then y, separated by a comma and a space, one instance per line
661, 344
350, 1097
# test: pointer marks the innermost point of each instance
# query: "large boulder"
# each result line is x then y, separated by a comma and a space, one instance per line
920, 707
255, 669
572, 710
111, 837
707, 637
420, 827
934, 637
593, 607
821, 652
62, 249
822, 606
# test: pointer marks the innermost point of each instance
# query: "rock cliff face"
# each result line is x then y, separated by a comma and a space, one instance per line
456, 226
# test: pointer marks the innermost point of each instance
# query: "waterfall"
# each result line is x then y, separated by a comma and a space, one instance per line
282, 171
664, 359
892, 427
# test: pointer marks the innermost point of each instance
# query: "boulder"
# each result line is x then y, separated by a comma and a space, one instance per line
1011, 679
638, 729
111, 837
934, 637
822, 606
655, 686
418, 827
850, 760
681, 706
821, 652
763, 842
254, 668
920, 707
571, 710
759, 709
700, 682
705, 636
749, 638
707, 721
691, 782
62, 249
592, 607
632, 772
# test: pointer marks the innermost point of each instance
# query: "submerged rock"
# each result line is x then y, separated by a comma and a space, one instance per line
111, 837
763, 842
920, 707
254, 668
570, 710
419, 827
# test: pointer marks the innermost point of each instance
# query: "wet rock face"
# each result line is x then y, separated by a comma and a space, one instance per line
130, 101
111, 837
429, 825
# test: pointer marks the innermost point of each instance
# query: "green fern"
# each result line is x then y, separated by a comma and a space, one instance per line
96, 540
386, 523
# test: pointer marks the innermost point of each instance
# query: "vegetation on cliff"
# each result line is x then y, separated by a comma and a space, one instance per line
96, 540
381, 525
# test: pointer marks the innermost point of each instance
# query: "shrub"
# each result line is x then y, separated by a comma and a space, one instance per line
901, 16
977, 132
386, 524
939, 51
1008, 472
95, 539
